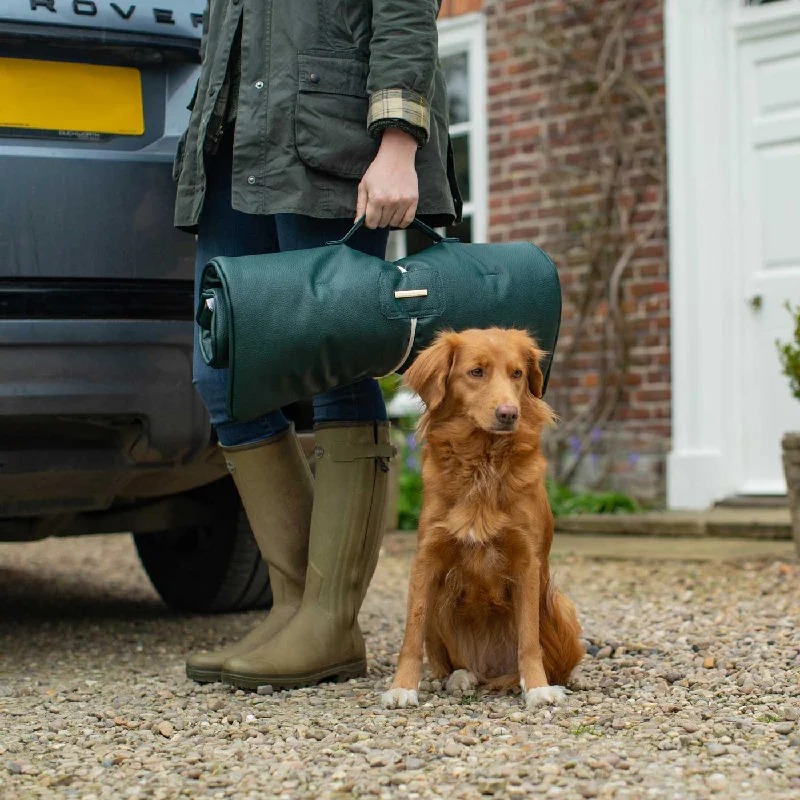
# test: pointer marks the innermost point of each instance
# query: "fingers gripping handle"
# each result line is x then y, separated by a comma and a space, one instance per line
418, 224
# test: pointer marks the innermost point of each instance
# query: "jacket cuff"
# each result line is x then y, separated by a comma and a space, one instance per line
399, 108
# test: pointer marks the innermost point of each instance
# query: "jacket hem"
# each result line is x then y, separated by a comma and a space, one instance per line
433, 217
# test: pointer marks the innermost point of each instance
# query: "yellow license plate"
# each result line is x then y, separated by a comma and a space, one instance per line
73, 98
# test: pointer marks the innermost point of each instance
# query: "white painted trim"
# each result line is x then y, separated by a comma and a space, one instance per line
698, 58
695, 478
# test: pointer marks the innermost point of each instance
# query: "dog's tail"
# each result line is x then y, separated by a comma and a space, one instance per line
503, 683
559, 632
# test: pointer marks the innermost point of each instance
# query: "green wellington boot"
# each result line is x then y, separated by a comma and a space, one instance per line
323, 640
277, 491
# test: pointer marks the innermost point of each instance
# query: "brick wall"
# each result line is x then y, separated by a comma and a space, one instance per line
549, 154
452, 8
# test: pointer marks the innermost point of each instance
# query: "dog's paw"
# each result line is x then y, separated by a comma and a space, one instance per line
462, 680
399, 698
544, 696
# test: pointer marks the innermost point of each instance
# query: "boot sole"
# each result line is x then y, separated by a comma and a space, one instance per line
200, 675
338, 673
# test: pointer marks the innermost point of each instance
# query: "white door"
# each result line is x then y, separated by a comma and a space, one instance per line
769, 236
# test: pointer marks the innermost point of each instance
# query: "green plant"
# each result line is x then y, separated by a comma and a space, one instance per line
789, 353
564, 501
390, 385
410, 502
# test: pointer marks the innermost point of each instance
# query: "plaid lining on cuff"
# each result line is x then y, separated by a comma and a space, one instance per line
399, 108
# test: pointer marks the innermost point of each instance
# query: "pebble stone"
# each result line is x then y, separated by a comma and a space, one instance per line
452, 750
95, 703
717, 782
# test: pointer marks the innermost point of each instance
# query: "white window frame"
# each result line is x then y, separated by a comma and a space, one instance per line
467, 34
457, 35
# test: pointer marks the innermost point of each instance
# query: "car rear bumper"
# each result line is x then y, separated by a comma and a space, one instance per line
94, 411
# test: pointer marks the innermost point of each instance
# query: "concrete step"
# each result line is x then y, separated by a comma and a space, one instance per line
654, 548
644, 548
735, 523
753, 501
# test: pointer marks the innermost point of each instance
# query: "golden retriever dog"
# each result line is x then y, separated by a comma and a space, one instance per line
481, 601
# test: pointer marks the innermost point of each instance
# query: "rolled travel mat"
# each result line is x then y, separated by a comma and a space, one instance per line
290, 325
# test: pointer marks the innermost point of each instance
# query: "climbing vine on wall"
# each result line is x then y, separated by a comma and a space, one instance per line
614, 195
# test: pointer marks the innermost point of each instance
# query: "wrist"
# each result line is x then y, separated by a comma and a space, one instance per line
399, 142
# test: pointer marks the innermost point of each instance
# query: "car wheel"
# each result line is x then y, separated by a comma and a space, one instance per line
208, 568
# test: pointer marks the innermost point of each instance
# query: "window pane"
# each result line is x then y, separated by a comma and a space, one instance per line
462, 231
394, 247
456, 73
461, 159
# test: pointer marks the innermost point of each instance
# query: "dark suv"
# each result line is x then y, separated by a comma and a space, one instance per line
100, 427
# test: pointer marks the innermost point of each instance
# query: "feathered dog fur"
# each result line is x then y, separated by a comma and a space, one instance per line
481, 601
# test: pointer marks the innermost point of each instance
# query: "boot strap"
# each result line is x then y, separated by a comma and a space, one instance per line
351, 451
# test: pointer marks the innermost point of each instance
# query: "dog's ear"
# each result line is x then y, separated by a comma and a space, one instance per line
427, 376
535, 378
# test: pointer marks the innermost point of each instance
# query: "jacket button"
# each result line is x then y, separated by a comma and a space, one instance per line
313, 77
259, 84
251, 179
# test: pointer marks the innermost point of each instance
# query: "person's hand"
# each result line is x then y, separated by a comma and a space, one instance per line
388, 192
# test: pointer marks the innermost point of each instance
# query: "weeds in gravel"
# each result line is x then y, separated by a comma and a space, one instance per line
589, 730
768, 718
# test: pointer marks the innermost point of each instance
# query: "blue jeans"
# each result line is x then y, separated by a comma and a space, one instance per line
225, 232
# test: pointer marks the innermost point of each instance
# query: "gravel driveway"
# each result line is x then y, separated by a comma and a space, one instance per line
692, 689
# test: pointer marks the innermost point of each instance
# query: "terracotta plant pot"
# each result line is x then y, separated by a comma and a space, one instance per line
791, 467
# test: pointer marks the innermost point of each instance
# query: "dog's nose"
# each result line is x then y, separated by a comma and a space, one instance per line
506, 414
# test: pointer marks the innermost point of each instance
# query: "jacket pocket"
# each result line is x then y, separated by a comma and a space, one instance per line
331, 114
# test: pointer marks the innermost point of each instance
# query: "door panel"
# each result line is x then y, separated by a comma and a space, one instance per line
770, 239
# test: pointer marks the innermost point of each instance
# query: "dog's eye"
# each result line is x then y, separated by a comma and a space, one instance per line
476, 373
516, 374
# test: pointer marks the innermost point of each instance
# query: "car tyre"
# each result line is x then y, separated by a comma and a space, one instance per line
211, 568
